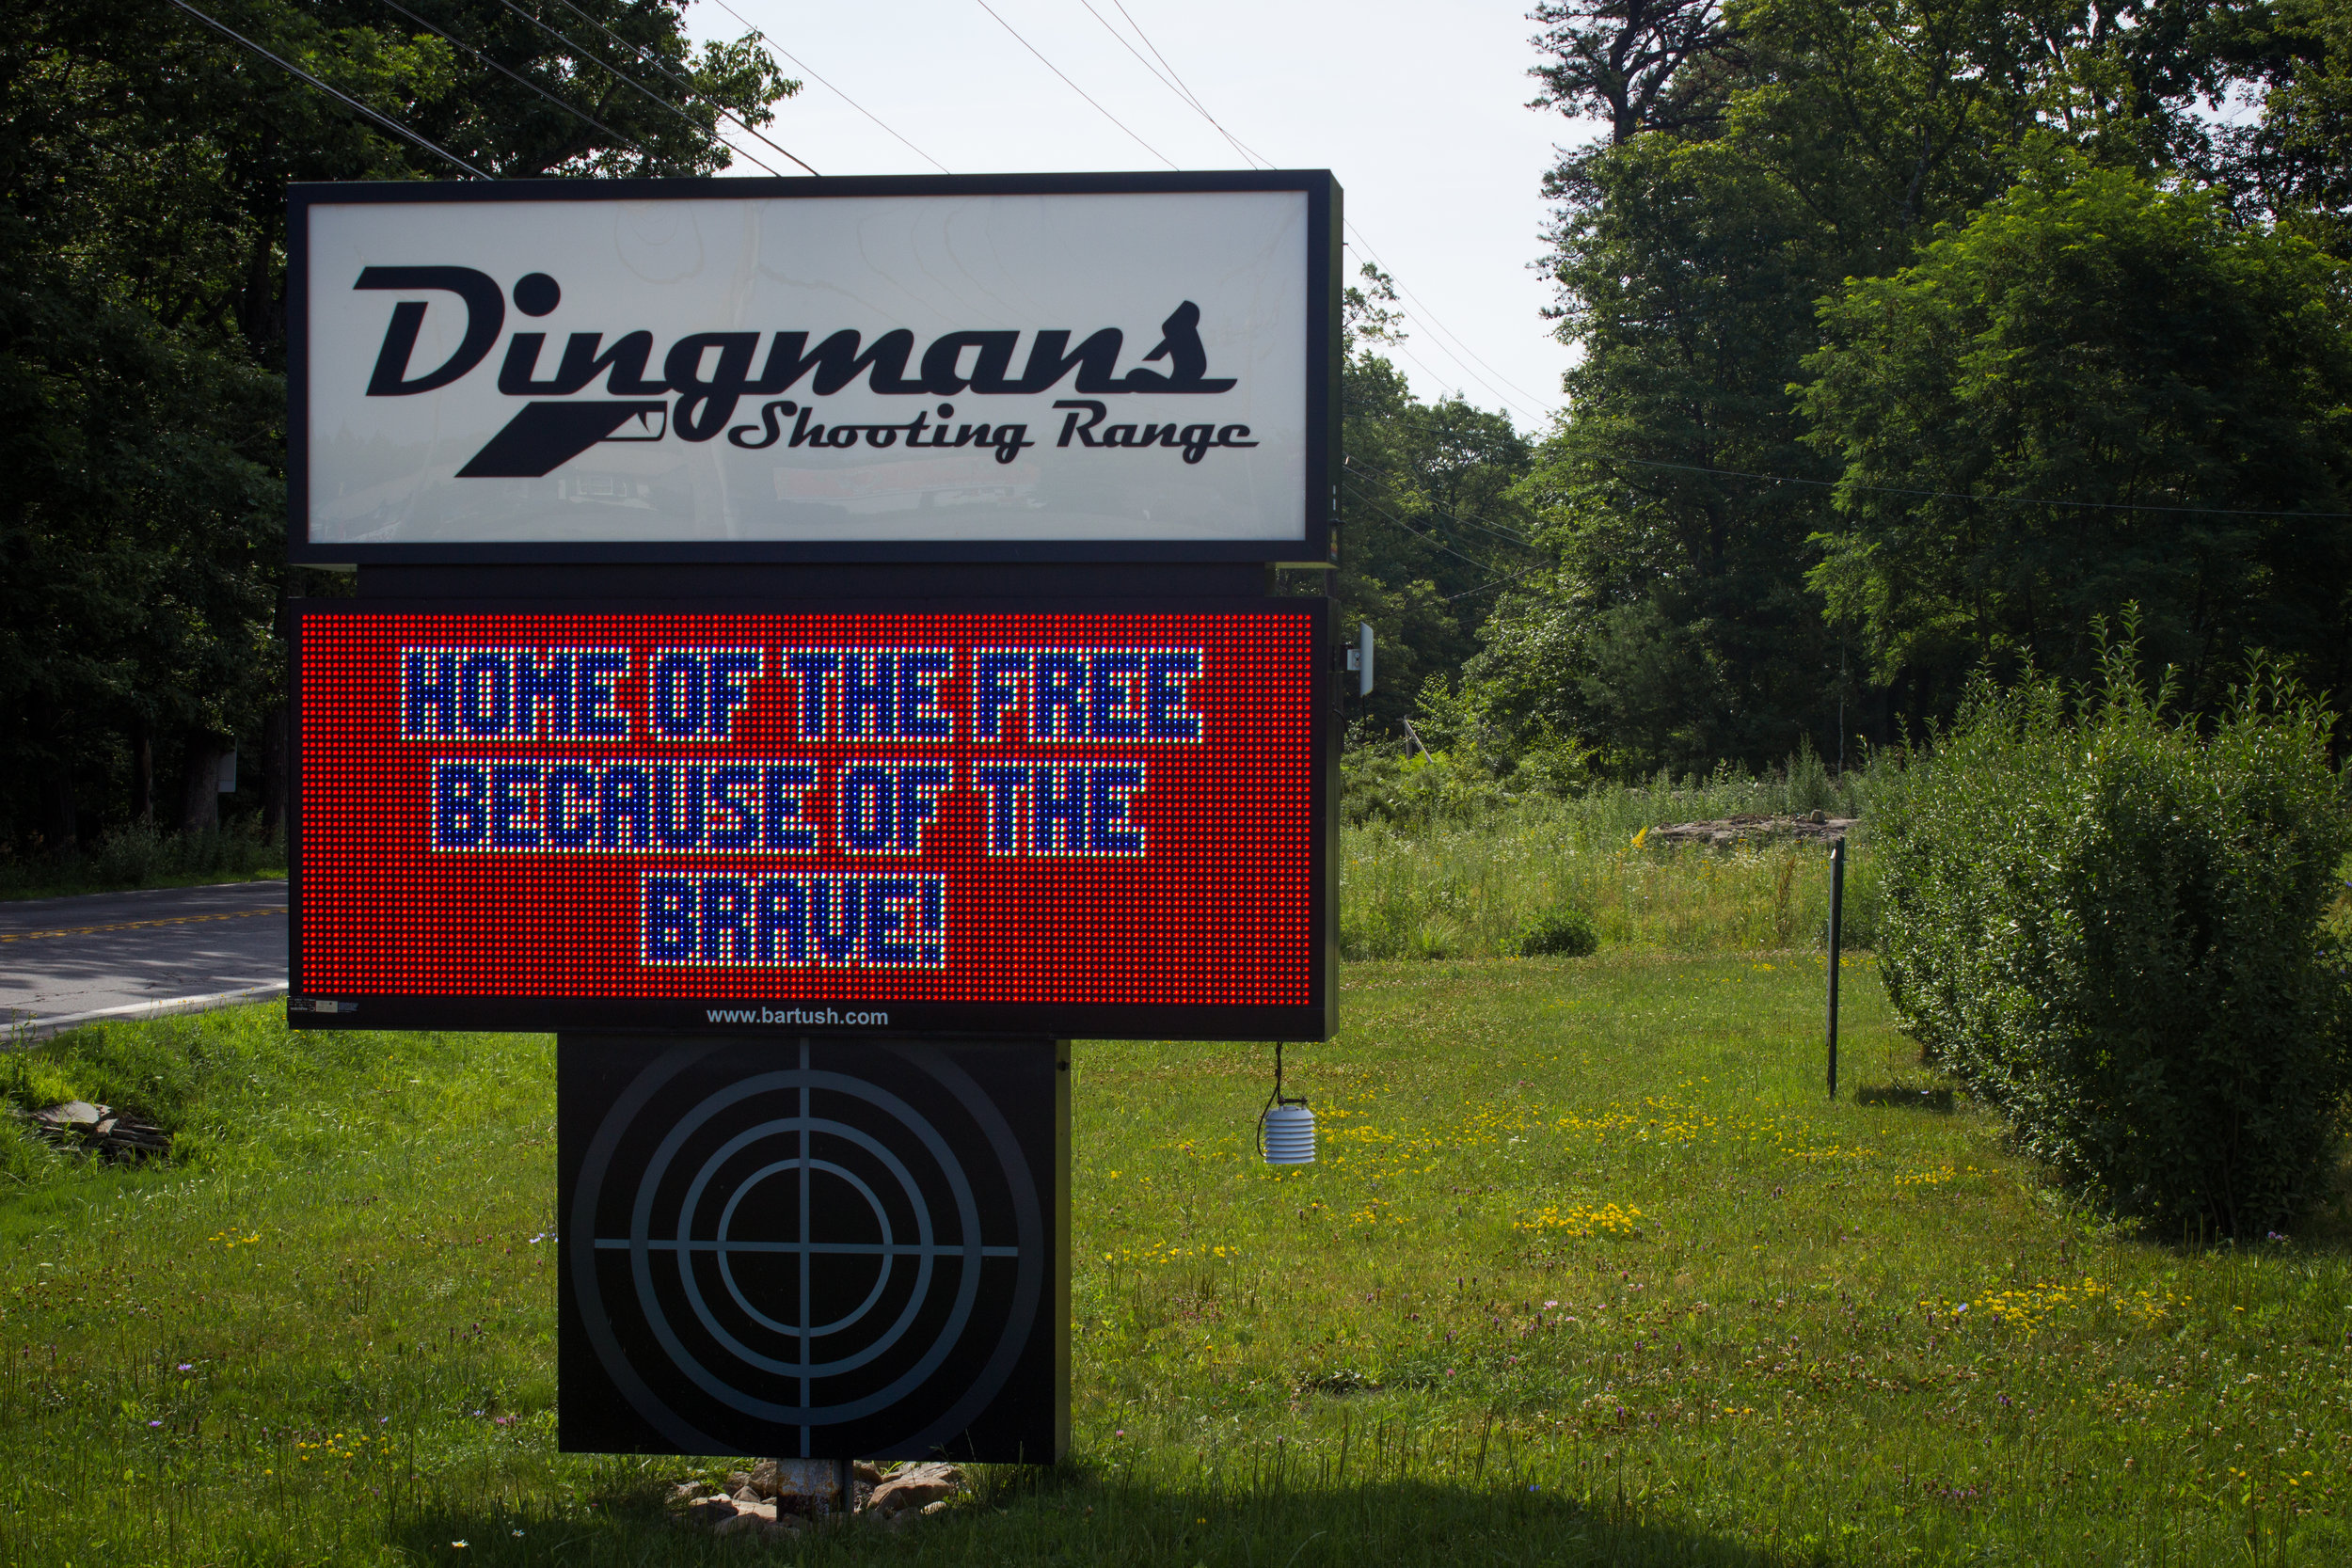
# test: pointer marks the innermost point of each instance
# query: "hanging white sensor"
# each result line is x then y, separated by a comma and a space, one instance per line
1286, 1135
1286, 1129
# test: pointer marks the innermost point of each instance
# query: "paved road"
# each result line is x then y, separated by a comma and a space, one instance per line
63, 960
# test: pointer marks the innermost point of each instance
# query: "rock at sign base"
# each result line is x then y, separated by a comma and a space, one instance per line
757, 1524
916, 1486
709, 1510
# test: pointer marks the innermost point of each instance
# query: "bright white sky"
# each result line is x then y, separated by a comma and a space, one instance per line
1419, 109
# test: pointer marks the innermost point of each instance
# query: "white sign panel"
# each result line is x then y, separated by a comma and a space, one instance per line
670, 368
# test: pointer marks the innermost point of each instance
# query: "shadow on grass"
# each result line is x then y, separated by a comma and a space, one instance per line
1073, 1518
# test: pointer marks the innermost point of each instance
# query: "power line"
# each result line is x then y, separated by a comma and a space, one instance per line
1074, 87
1962, 496
1426, 315
1182, 94
683, 80
390, 124
1441, 381
1186, 89
1364, 499
1519, 539
569, 109
1497, 582
1365, 246
836, 91
1175, 84
1355, 459
622, 75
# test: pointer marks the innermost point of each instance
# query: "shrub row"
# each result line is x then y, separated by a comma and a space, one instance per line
2111, 927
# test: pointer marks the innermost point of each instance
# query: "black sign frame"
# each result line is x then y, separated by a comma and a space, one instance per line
1324, 289
1313, 1019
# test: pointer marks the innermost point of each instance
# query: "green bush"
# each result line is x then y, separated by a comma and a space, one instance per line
2110, 928
140, 854
1386, 782
1566, 933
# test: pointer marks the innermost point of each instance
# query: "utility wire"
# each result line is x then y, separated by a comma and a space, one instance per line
1184, 88
1182, 94
836, 91
1365, 246
1175, 84
570, 109
1497, 582
1074, 87
1354, 460
2003, 501
643, 90
1519, 539
683, 80
1418, 533
390, 124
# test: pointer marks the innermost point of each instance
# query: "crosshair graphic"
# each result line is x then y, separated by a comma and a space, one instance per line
804, 1259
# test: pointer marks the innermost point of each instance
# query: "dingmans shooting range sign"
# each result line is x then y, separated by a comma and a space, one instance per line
813, 648
940, 370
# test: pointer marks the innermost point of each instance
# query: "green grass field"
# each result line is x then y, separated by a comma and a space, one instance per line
1590, 1273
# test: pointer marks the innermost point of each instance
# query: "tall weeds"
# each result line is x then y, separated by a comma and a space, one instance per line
1466, 888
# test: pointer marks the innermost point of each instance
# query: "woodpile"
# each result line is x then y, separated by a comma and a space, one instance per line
114, 1135
1818, 827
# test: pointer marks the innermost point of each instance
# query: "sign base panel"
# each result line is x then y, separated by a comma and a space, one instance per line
813, 1248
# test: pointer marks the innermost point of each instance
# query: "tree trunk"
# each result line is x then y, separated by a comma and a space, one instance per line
273, 771
200, 784
142, 771
60, 823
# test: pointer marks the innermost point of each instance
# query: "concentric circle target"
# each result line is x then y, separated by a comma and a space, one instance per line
803, 1260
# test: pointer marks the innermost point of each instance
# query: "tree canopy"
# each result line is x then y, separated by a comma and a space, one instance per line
1899, 322
144, 160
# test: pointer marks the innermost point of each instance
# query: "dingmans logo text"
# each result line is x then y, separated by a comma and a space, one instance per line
704, 376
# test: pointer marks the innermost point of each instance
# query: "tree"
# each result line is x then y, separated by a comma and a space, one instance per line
1745, 175
144, 160
1640, 63
2294, 165
2099, 392
1429, 525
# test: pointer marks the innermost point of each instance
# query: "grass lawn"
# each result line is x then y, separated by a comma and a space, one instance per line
1590, 1273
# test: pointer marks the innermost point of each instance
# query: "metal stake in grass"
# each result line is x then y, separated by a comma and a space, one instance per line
1836, 914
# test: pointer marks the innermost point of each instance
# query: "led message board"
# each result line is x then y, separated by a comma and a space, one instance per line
1068, 367
1042, 823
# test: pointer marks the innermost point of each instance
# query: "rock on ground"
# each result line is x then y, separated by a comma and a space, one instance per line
915, 1486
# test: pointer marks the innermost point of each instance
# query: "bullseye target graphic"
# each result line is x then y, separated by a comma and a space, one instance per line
812, 1250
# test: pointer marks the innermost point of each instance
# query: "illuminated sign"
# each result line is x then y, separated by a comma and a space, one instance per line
1050, 823
1068, 367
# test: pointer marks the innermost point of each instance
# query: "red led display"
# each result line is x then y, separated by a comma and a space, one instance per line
1033, 822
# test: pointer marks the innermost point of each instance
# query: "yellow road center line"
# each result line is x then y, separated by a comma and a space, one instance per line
136, 925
